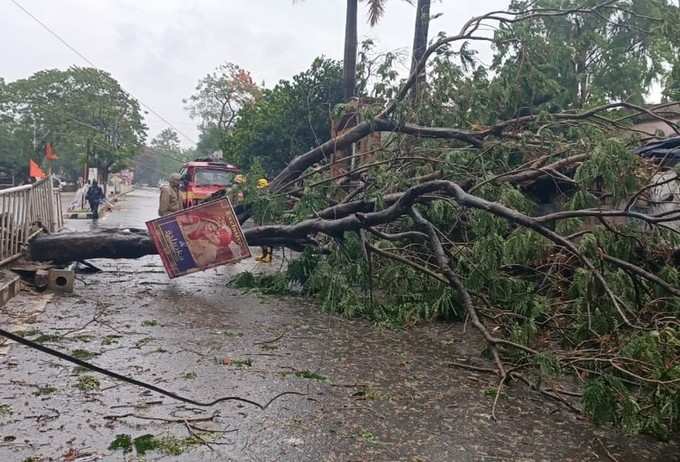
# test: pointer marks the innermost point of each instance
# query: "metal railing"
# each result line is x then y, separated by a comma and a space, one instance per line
25, 211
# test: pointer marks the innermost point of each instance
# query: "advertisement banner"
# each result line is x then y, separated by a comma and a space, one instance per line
199, 238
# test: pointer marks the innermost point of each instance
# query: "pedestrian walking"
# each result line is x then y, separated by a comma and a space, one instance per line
95, 196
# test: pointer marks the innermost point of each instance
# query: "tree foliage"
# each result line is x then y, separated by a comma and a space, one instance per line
162, 157
572, 61
83, 112
220, 95
516, 202
292, 117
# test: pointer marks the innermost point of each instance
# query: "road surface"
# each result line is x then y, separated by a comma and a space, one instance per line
366, 393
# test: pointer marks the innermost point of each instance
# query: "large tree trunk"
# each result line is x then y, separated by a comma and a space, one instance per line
350, 60
420, 42
64, 248
69, 247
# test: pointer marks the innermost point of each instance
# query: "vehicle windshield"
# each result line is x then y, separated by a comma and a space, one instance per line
207, 177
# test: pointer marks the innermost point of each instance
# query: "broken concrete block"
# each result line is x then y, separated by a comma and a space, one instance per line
61, 280
40, 279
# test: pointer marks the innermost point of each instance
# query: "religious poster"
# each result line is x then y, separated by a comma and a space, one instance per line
199, 238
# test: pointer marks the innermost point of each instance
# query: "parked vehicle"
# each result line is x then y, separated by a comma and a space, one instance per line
58, 183
202, 178
661, 195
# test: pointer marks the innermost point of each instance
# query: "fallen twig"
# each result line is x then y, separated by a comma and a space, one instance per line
266, 342
160, 419
606, 451
195, 435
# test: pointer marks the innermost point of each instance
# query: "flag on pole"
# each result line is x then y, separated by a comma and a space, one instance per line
35, 171
50, 153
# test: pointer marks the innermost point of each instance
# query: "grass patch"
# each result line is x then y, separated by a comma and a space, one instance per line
49, 338
88, 383
58, 338
227, 333
309, 375
46, 390
368, 437
110, 339
42, 337
241, 363
189, 375
150, 323
169, 445
27, 333
369, 394
142, 342
491, 392
5, 410
122, 441
173, 446
83, 355
266, 284
145, 443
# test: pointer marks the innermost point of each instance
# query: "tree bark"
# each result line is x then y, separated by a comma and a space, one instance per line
65, 248
69, 247
420, 42
351, 43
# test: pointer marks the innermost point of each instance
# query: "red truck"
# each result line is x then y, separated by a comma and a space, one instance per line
201, 178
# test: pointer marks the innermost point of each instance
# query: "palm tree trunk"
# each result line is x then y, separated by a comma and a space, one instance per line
420, 40
350, 61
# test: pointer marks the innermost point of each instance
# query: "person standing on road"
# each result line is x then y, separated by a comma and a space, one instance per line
171, 199
95, 196
267, 251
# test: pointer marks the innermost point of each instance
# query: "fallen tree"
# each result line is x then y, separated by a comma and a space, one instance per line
541, 229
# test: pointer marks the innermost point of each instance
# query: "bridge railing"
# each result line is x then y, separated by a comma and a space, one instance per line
25, 211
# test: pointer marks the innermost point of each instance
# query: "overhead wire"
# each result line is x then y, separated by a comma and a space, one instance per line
88, 61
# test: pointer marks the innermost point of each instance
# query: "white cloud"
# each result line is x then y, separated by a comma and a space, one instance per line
158, 49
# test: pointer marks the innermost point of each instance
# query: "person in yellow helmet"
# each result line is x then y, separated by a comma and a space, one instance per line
267, 252
236, 192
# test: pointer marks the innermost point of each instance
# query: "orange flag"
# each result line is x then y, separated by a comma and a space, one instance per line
50, 153
35, 171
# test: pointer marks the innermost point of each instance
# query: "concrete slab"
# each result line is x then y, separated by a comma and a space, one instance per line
10, 285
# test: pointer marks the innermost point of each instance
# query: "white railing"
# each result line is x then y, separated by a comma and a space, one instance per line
25, 211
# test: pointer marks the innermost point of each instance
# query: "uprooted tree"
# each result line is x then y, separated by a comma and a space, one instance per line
514, 203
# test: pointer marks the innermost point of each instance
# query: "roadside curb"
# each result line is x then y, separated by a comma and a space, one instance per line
77, 215
85, 215
10, 285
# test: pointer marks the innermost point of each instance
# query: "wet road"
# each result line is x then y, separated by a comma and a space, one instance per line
131, 211
370, 394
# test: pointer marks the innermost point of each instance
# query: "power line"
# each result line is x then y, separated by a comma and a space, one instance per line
88, 61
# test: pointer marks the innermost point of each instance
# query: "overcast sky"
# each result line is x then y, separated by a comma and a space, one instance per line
158, 49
